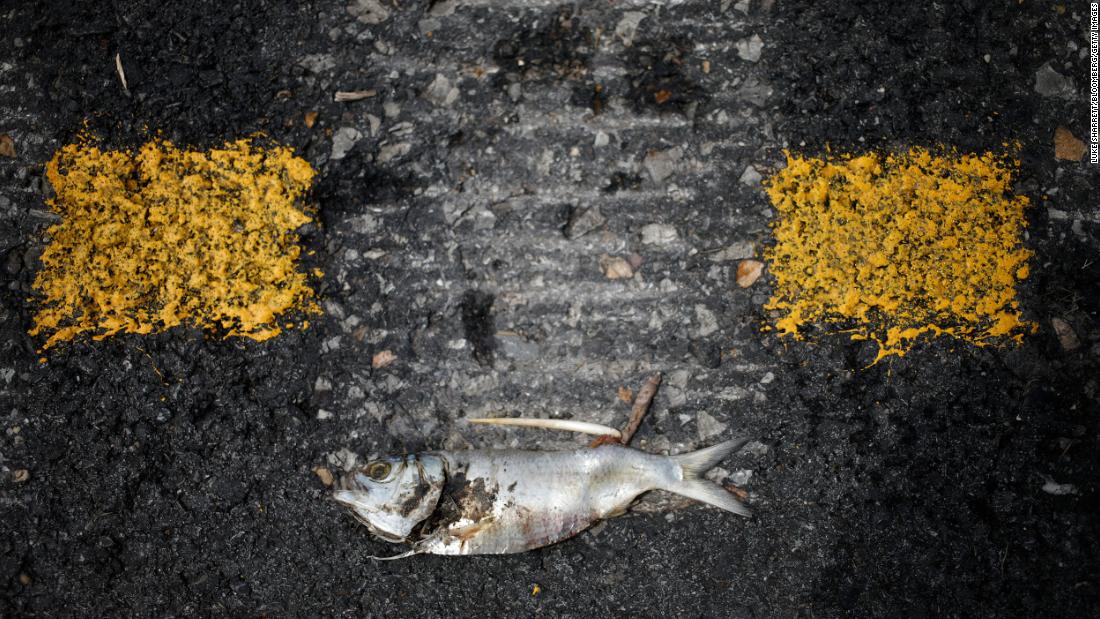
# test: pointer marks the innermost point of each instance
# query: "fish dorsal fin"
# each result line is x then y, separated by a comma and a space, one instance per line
567, 425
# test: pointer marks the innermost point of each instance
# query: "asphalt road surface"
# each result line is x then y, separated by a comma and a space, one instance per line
463, 211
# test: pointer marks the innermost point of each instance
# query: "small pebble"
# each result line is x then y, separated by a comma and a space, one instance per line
748, 271
583, 221
627, 27
626, 395
1050, 83
750, 48
740, 250
323, 474
741, 477
343, 141
708, 426
1066, 145
7, 146
1057, 489
382, 359
614, 267
662, 164
659, 234
1066, 336
20, 475
369, 11
750, 177
441, 92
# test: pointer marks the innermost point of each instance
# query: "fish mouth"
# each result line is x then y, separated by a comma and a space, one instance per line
347, 491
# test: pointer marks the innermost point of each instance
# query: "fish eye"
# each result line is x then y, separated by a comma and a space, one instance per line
378, 470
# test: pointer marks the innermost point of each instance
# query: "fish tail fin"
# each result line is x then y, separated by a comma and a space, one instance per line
692, 484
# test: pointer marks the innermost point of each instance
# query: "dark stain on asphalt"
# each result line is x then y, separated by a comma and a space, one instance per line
478, 325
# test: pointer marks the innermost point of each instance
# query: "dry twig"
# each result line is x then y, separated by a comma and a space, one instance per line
121, 73
344, 96
641, 407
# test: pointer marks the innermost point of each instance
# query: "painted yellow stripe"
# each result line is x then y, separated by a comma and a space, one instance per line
165, 236
890, 247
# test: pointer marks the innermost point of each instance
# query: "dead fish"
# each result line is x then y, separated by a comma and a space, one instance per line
505, 501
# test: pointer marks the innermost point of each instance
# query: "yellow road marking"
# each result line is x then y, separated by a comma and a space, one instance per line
164, 236
892, 247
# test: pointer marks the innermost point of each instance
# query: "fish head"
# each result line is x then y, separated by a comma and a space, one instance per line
394, 494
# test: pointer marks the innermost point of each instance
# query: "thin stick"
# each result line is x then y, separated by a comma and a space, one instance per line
567, 425
641, 407
121, 73
343, 96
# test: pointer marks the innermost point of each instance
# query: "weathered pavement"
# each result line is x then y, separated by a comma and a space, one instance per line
464, 212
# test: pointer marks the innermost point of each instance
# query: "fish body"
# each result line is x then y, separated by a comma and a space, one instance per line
506, 501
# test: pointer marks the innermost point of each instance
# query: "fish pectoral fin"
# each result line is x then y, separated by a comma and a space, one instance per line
395, 557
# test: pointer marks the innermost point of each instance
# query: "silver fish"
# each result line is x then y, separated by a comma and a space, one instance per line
505, 501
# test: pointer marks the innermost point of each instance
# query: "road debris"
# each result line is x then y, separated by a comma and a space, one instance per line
659, 234
748, 271
7, 146
121, 73
708, 426
750, 48
1052, 487
1066, 146
440, 91
625, 394
343, 141
708, 322
614, 267
627, 28
1050, 83
1066, 336
371, 12
662, 164
740, 250
584, 220
347, 96
750, 177
324, 475
20, 475
641, 407
382, 359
